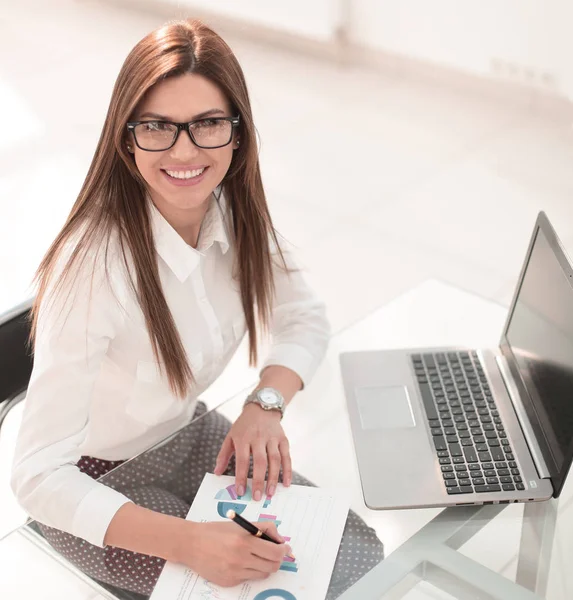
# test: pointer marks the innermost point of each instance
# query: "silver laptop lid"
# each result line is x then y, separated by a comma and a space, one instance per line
537, 342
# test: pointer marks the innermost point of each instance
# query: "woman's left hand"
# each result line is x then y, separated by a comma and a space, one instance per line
257, 432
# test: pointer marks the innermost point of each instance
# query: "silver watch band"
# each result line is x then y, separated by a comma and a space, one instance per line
254, 398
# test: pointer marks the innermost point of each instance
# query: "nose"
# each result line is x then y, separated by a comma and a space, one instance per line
184, 148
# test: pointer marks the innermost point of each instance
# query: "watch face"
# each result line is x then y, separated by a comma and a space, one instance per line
269, 398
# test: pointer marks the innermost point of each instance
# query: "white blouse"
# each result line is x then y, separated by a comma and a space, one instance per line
96, 388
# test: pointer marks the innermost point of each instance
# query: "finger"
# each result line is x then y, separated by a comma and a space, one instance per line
242, 453
274, 458
284, 449
269, 551
264, 565
224, 456
259, 470
270, 528
252, 575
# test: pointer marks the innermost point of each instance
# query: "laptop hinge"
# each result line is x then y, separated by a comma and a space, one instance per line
522, 417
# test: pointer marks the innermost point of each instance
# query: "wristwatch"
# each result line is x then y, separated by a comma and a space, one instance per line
268, 399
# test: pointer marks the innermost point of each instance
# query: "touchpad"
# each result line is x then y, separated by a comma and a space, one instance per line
384, 407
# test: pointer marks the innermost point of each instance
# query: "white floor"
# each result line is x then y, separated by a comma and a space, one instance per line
381, 182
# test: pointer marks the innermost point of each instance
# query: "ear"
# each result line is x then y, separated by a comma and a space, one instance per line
236, 143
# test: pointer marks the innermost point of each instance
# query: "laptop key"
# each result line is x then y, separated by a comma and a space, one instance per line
455, 450
452, 439
476, 475
492, 480
490, 473
467, 442
429, 360
487, 465
508, 487
475, 467
447, 468
450, 482
501, 472
451, 491
460, 467
445, 460
470, 454
487, 488
449, 475
505, 480
440, 442
436, 431
513, 465
481, 447
443, 454
520, 486
517, 478
484, 456
429, 405
459, 460
479, 482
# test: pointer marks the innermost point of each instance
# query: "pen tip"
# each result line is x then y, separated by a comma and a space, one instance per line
230, 514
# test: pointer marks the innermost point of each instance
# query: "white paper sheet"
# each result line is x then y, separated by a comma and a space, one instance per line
313, 519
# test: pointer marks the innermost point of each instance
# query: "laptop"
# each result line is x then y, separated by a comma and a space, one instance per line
447, 426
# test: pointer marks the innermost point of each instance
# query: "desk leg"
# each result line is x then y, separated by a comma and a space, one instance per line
536, 545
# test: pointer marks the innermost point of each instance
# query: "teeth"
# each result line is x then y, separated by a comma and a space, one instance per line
185, 174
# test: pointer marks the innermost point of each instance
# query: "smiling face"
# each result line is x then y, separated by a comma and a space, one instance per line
181, 179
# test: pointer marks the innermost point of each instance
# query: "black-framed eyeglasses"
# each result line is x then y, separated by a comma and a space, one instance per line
209, 133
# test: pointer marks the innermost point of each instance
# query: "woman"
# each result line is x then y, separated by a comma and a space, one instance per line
167, 259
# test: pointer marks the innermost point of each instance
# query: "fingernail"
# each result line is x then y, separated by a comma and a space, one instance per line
241, 490
271, 490
257, 495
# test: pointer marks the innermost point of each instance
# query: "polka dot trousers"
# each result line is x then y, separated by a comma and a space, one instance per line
166, 480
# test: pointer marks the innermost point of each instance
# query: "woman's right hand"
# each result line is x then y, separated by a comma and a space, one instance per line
227, 555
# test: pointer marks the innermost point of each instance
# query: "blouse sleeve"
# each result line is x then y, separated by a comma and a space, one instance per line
74, 332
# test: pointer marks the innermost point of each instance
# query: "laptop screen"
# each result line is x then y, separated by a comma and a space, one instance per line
539, 337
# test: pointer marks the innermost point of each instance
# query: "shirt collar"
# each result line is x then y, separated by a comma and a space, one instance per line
181, 258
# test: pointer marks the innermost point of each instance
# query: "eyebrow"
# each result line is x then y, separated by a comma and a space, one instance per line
207, 113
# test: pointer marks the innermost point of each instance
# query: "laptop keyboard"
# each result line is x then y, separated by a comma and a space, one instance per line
471, 443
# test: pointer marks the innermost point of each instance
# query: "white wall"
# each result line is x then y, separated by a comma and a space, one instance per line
527, 40
314, 19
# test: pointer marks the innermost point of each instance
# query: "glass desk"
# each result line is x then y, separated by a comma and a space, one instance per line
501, 552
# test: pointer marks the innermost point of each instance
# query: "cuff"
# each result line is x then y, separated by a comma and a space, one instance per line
294, 357
95, 512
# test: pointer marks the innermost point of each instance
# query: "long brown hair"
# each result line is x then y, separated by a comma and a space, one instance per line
112, 198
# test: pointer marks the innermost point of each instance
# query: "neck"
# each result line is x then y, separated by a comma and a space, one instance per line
186, 221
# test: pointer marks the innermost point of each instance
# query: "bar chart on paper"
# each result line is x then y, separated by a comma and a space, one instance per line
310, 519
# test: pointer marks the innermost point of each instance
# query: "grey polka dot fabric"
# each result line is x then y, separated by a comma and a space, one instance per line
166, 480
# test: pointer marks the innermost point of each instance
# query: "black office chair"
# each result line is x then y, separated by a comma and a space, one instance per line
15, 359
